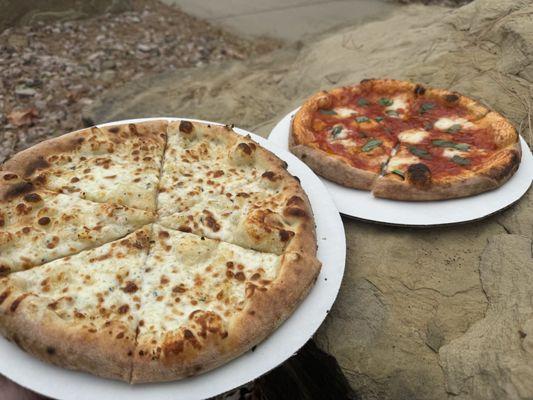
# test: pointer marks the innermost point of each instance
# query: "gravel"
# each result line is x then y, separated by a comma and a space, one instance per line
49, 72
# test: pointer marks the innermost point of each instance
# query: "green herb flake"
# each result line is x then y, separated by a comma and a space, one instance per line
392, 113
417, 151
443, 143
371, 145
336, 130
327, 112
450, 144
460, 160
398, 172
385, 102
362, 102
378, 119
426, 107
362, 119
462, 146
454, 128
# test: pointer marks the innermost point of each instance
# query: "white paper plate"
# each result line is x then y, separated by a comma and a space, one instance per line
62, 384
361, 204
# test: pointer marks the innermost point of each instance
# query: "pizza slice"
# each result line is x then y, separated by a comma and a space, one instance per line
206, 161
245, 197
116, 164
451, 160
79, 312
204, 302
347, 134
38, 225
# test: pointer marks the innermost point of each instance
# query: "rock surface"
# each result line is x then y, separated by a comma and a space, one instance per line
422, 314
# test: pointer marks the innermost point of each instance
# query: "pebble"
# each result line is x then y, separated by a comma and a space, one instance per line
23, 91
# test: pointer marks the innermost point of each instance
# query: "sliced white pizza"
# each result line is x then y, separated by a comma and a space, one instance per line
79, 312
117, 164
38, 225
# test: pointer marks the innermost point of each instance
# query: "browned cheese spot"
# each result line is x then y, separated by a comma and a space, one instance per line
130, 287
32, 198
43, 221
123, 309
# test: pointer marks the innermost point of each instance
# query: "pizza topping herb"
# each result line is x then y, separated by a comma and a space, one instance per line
385, 102
454, 128
362, 102
392, 113
399, 173
460, 160
371, 145
428, 125
378, 119
449, 144
336, 130
362, 119
426, 107
327, 112
417, 151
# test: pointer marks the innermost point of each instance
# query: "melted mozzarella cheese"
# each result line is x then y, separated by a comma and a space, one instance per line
343, 134
413, 136
398, 103
397, 162
344, 112
187, 274
453, 152
446, 123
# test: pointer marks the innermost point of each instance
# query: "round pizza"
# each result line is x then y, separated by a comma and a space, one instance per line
404, 141
150, 251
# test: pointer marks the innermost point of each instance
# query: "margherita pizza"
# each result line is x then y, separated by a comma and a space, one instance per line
150, 252
404, 141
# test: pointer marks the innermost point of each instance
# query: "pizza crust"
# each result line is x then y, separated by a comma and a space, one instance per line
61, 343
495, 173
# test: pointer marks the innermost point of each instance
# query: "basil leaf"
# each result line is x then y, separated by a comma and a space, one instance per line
362, 119
451, 145
336, 130
327, 112
399, 173
378, 119
454, 128
362, 102
460, 160
443, 143
417, 151
392, 113
462, 146
385, 102
426, 107
371, 145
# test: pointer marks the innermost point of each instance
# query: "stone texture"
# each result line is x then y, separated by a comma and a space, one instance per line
422, 314
494, 359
